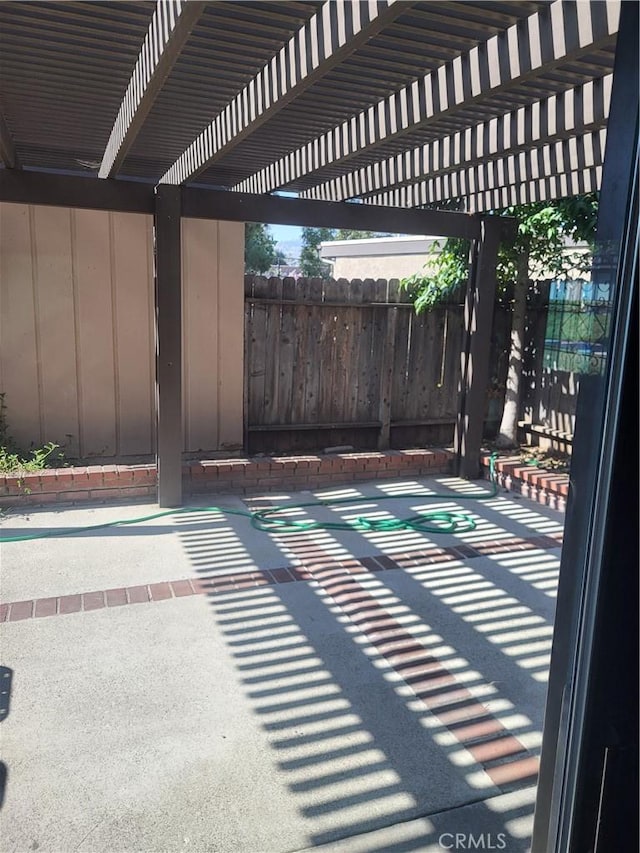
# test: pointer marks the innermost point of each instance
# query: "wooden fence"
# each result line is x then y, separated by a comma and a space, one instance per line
349, 363
337, 362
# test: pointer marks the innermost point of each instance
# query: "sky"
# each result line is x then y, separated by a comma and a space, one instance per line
286, 233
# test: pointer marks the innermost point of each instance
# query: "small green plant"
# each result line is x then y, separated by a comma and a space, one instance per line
15, 461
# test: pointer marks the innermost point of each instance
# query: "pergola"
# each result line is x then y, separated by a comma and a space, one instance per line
368, 111
347, 114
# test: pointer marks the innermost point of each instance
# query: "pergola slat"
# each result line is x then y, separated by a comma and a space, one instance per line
7, 146
168, 31
548, 38
544, 189
332, 34
575, 155
583, 108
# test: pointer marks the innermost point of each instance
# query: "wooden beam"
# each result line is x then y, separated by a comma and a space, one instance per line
337, 30
68, 190
170, 27
474, 379
572, 113
551, 36
63, 190
7, 146
282, 210
168, 304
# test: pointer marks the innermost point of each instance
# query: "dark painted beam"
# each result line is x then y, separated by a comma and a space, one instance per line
170, 27
474, 378
168, 305
281, 210
7, 146
64, 190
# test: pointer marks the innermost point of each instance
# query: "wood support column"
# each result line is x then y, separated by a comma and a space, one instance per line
168, 316
478, 320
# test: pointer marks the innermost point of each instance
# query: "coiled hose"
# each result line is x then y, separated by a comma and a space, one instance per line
277, 519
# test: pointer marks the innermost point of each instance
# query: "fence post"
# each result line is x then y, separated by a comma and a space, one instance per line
386, 380
474, 378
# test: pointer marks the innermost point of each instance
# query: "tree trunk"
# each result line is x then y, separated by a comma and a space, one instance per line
508, 432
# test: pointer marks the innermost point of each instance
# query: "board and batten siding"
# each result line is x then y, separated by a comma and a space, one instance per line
77, 330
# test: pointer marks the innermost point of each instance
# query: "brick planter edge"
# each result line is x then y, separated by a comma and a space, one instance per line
239, 476
548, 488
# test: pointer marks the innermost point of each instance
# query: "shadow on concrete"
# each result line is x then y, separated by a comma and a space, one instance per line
6, 681
354, 744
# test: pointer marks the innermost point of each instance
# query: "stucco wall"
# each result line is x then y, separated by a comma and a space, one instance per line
391, 266
77, 336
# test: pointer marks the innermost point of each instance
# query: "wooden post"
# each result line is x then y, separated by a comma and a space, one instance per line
386, 381
247, 306
478, 320
168, 310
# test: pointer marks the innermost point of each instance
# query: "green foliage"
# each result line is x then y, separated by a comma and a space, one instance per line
259, 248
311, 263
446, 268
543, 231
15, 461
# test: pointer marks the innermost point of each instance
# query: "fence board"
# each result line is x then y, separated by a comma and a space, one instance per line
321, 354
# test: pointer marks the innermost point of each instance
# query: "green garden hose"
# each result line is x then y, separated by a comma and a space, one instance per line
271, 520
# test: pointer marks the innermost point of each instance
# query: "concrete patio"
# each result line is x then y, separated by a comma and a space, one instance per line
194, 684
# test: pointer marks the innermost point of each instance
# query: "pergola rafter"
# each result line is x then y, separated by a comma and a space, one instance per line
170, 27
561, 116
542, 189
332, 34
578, 154
557, 33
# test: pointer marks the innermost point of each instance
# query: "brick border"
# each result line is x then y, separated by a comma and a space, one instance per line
243, 476
15, 611
536, 483
504, 758
508, 763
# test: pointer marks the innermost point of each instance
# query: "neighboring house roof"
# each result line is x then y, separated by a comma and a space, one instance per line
376, 247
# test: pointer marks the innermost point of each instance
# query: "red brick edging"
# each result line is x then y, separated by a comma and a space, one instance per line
504, 758
545, 487
15, 611
256, 474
